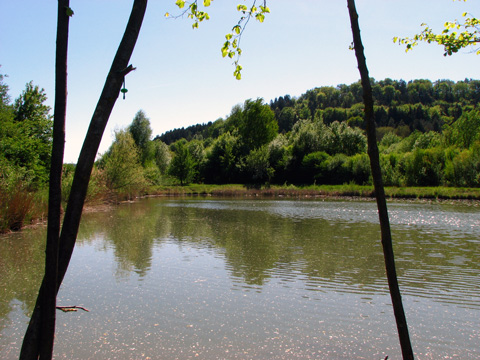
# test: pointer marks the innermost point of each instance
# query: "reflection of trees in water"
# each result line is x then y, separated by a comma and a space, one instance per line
131, 230
255, 243
21, 269
257, 246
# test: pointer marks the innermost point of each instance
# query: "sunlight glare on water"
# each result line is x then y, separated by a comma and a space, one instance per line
255, 279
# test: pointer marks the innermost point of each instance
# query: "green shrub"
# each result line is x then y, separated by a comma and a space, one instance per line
425, 167
16, 198
152, 174
359, 167
391, 169
314, 167
464, 169
337, 170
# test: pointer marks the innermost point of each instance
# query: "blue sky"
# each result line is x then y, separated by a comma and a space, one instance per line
181, 78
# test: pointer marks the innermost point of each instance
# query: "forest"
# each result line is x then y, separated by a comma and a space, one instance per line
428, 135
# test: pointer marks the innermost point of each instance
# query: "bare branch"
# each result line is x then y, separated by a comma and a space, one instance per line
71, 308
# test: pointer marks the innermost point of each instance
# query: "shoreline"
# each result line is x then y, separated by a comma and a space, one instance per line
325, 193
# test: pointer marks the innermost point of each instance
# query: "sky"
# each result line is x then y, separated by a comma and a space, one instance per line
181, 78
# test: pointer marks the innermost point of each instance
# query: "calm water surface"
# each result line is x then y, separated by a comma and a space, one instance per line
253, 279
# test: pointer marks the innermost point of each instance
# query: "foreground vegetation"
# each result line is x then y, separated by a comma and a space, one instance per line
314, 145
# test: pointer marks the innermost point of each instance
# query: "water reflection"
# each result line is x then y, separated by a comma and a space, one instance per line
21, 270
328, 245
254, 279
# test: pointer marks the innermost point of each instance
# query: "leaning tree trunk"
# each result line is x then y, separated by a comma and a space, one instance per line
73, 213
379, 190
48, 302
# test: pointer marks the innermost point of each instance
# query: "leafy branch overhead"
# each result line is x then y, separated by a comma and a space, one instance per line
455, 36
231, 47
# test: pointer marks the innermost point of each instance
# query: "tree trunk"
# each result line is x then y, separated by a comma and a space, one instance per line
48, 302
379, 190
71, 222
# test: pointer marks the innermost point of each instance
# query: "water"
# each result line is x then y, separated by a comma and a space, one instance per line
253, 279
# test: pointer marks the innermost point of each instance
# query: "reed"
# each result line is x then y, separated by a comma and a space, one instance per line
16, 204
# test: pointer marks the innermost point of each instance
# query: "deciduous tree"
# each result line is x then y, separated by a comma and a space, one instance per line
124, 172
26, 137
182, 165
162, 155
141, 133
258, 125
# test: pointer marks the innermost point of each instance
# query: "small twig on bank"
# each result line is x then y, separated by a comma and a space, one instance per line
71, 308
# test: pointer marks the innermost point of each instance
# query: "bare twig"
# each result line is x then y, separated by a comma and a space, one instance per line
71, 308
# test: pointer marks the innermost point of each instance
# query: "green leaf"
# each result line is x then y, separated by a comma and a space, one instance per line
180, 3
242, 8
225, 49
260, 17
206, 3
69, 11
238, 72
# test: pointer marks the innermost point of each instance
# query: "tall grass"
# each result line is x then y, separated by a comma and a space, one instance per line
15, 204
19, 205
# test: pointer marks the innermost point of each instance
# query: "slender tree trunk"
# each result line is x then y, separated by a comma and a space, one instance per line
48, 302
83, 170
379, 190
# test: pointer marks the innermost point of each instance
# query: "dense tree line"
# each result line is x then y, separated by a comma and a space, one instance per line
405, 106
187, 133
427, 133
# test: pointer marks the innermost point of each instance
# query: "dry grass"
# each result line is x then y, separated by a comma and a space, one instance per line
16, 206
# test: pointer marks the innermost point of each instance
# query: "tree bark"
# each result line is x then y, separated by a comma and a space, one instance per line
83, 170
48, 302
395, 295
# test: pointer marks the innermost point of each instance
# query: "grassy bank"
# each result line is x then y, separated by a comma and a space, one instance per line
347, 190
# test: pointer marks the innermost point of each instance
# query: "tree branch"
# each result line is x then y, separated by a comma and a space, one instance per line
71, 308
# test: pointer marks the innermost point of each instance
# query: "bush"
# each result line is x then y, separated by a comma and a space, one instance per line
359, 168
425, 167
464, 169
314, 167
337, 170
390, 165
152, 174
16, 199
256, 166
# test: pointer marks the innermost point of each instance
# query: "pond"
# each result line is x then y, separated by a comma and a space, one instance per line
208, 278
